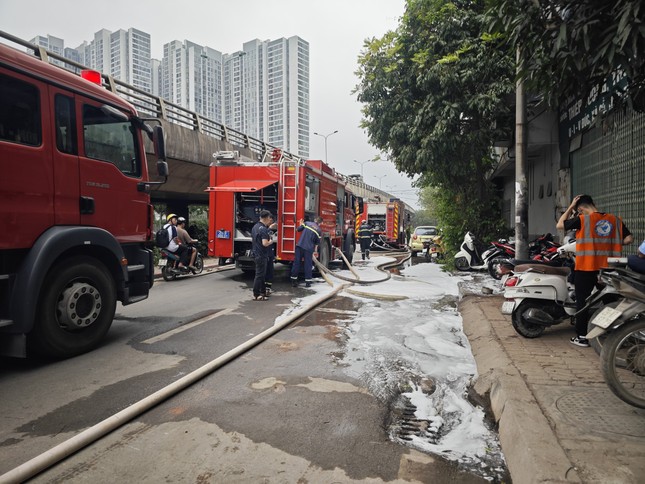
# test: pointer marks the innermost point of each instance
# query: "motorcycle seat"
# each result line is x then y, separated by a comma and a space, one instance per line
543, 269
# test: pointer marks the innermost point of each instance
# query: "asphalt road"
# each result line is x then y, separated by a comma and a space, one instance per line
282, 412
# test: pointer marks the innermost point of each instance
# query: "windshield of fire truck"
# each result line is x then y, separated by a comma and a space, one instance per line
110, 139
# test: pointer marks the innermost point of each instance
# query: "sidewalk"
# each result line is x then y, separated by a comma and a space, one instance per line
558, 420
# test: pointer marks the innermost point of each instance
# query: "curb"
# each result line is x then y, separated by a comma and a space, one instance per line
532, 450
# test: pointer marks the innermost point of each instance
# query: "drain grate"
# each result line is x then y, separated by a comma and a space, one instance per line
599, 410
408, 425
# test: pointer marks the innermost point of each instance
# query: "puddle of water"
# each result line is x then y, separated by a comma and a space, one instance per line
332, 312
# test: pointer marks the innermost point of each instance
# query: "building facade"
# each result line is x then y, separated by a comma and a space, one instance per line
594, 145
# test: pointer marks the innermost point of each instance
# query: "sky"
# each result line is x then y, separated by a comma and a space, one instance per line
389, 343
335, 30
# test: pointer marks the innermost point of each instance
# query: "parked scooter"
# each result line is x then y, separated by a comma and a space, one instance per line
432, 251
541, 250
473, 255
538, 296
169, 264
623, 325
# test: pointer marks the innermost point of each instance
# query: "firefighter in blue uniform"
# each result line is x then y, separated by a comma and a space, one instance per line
365, 238
305, 249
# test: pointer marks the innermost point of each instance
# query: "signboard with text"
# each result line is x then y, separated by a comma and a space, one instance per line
580, 113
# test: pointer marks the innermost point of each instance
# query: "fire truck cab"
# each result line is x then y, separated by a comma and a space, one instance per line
291, 189
76, 211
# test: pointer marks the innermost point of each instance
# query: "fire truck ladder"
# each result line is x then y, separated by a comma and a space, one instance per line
288, 190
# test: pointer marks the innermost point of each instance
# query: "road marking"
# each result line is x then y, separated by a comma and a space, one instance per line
175, 331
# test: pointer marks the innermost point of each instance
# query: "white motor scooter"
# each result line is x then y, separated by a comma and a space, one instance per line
538, 296
472, 255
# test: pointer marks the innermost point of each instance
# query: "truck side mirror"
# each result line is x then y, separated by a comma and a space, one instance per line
162, 168
159, 143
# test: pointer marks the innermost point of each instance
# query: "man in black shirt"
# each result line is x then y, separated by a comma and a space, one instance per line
261, 240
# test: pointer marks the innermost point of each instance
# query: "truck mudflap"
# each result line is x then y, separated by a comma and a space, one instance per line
140, 274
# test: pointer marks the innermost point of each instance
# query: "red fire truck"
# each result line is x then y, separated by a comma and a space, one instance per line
387, 219
76, 213
291, 189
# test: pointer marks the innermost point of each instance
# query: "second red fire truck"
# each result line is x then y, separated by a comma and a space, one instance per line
387, 220
291, 189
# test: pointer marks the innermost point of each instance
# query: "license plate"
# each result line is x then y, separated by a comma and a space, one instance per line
162, 262
606, 317
507, 307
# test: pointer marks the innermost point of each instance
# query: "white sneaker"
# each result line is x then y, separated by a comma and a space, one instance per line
580, 341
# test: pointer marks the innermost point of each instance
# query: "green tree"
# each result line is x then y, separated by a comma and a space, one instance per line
434, 100
569, 46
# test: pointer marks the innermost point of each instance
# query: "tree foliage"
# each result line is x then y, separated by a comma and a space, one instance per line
570, 45
434, 99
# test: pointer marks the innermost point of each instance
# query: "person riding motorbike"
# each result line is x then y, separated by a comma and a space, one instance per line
175, 246
187, 240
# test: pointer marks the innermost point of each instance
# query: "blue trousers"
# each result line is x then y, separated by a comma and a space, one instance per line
636, 263
308, 262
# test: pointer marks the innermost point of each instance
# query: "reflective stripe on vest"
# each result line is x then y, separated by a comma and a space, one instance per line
600, 236
312, 229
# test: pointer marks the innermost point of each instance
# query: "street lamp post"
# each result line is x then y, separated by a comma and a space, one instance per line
380, 180
362, 163
326, 136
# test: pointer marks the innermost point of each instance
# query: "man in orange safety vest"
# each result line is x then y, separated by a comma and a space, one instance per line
598, 235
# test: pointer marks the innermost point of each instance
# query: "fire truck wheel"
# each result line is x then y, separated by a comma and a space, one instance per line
75, 309
324, 252
348, 245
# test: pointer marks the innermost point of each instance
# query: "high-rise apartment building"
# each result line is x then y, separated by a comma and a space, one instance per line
130, 58
266, 92
191, 76
155, 76
52, 44
124, 54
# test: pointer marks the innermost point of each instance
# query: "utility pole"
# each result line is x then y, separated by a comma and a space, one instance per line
521, 202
